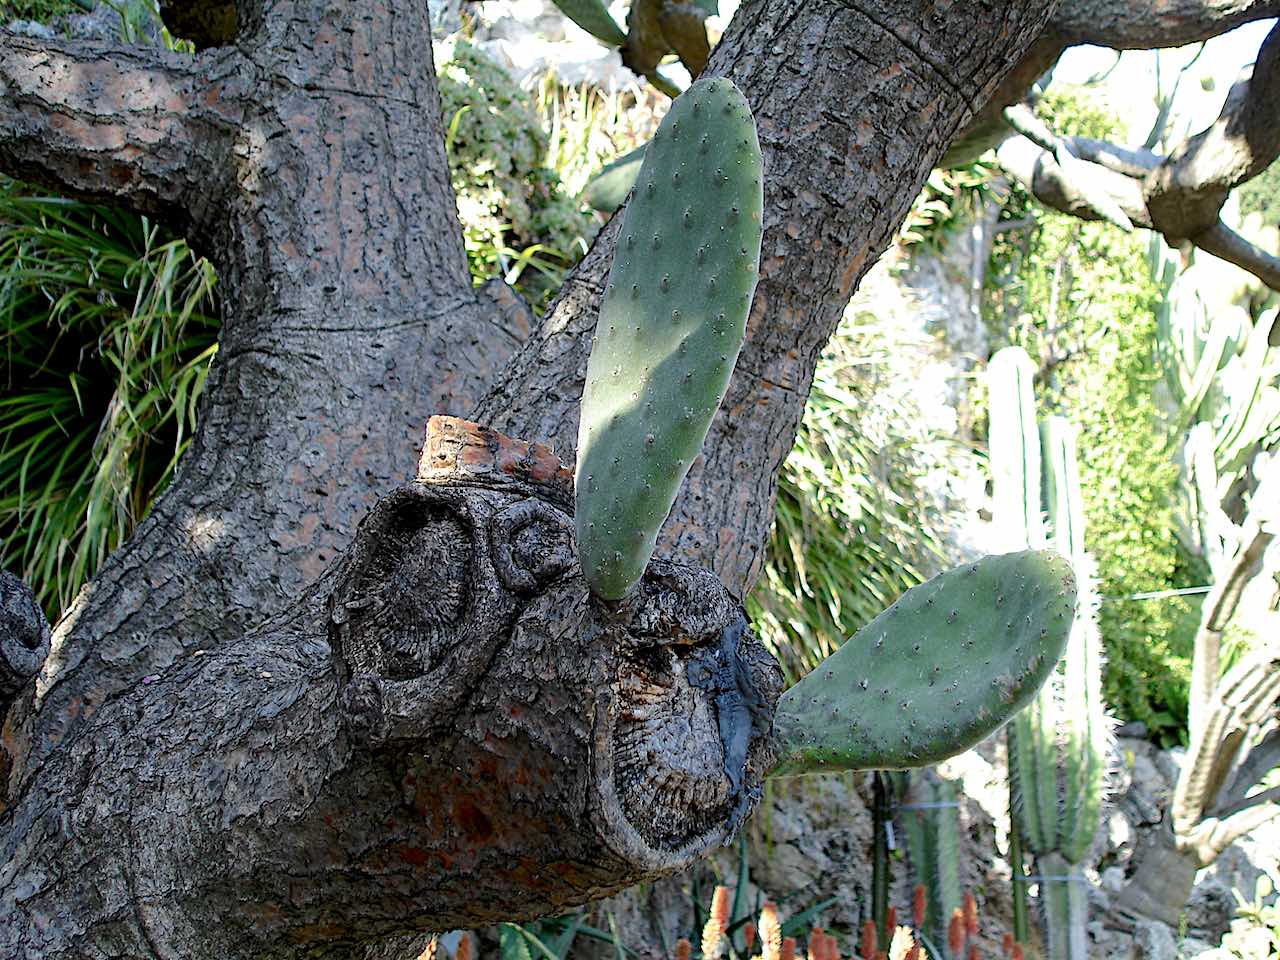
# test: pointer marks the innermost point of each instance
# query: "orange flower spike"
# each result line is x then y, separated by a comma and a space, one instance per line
788, 948
464, 948
1006, 945
919, 904
973, 953
891, 919
970, 915
955, 933
748, 936
770, 932
816, 945
869, 940
1016, 953
717, 922
684, 949
914, 952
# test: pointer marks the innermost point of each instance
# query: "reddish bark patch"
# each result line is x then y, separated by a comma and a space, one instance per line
414, 855
474, 822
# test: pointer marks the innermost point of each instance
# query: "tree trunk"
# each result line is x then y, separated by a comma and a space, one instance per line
443, 728
446, 730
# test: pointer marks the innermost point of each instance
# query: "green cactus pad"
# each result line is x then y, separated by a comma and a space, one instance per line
939, 670
671, 324
593, 17
608, 189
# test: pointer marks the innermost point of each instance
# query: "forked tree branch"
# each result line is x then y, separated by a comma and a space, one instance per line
1118, 24
136, 127
1179, 196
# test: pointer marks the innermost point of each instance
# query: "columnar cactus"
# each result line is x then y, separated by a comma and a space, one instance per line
1057, 746
935, 673
671, 324
931, 824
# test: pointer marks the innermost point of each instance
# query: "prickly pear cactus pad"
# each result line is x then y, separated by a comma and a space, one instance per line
939, 670
671, 324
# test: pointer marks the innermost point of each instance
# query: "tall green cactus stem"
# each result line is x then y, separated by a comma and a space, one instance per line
1057, 746
931, 824
671, 324
939, 670
1014, 444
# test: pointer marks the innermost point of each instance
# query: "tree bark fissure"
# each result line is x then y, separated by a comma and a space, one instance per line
446, 730
135, 127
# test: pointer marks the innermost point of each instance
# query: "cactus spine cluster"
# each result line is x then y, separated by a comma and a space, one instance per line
1057, 746
671, 324
935, 673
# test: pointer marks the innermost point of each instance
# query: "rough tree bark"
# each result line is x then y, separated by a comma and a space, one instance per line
240, 746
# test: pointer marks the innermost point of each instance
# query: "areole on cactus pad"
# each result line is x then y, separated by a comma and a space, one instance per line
671, 324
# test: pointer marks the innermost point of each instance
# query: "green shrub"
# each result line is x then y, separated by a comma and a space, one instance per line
107, 336
40, 10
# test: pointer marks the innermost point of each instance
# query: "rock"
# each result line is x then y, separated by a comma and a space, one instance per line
1192, 947
1209, 911
1154, 941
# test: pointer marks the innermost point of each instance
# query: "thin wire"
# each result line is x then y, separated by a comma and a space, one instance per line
1159, 594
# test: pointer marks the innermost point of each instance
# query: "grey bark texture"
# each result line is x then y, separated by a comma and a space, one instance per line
262, 733
446, 729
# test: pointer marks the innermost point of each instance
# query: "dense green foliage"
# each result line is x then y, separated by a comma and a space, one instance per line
37, 9
107, 335
517, 221
1079, 296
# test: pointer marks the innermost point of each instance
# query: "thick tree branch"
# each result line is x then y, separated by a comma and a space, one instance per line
1225, 244
1142, 25
349, 318
1186, 192
1170, 195
132, 126
1119, 24
445, 730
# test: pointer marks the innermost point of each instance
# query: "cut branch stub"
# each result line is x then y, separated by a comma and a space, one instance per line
939, 670
631, 738
671, 324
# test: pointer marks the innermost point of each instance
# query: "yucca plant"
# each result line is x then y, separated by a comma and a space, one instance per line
107, 334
